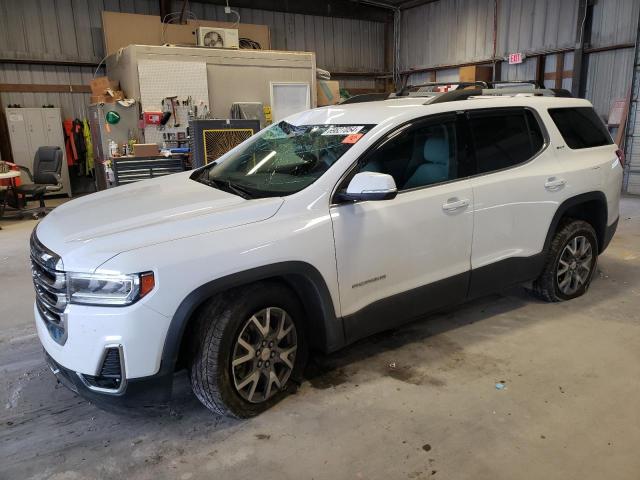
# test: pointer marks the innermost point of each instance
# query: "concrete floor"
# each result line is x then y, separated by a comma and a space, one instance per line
417, 403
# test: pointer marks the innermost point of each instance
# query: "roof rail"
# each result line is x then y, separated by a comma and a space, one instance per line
365, 97
456, 95
498, 83
404, 91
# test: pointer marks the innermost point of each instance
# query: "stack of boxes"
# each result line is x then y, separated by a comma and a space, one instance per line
104, 90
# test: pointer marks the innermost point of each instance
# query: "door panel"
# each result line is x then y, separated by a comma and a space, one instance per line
384, 248
512, 209
400, 258
586, 154
515, 197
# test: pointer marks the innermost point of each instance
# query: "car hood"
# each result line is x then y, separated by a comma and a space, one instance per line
89, 230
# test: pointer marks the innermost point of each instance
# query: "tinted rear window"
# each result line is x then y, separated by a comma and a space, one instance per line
580, 127
504, 138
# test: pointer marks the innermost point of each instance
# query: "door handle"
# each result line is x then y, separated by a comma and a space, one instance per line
454, 204
552, 184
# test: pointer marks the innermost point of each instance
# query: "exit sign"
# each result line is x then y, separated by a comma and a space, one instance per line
515, 58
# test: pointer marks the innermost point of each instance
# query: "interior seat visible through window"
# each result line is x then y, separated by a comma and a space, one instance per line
423, 155
435, 164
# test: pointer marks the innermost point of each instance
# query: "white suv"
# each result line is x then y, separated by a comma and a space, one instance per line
331, 225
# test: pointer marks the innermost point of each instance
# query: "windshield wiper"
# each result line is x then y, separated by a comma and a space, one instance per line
227, 186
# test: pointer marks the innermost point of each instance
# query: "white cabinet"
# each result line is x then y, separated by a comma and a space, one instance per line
31, 128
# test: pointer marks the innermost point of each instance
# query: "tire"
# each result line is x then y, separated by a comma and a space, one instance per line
225, 319
560, 278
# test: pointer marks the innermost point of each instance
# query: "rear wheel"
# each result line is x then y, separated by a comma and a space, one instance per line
248, 348
570, 264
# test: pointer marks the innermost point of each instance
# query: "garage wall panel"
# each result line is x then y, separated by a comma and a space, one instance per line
72, 104
608, 78
446, 32
457, 31
341, 44
521, 71
533, 25
632, 143
71, 30
614, 22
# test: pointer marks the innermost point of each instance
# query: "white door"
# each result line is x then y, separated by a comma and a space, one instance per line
513, 208
399, 258
18, 136
36, 131
55, 138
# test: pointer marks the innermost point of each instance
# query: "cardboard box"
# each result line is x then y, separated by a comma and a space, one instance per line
328, 92
145, 150
475, 73
100, 85
107, 98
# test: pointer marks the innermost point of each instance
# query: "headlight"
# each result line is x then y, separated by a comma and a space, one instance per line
107, 289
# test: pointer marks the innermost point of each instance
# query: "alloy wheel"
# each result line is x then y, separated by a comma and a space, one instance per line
264, 354
574, 265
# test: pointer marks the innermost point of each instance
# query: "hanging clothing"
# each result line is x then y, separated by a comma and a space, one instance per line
70, 145
86, 132
81, 148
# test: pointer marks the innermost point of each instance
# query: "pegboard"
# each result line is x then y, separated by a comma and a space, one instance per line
160, 79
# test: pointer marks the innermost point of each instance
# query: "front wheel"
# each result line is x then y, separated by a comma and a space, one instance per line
570, 264
248, 348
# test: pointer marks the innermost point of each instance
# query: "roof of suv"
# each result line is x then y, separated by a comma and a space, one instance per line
404, 108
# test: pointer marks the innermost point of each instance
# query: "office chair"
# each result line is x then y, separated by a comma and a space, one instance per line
46, 178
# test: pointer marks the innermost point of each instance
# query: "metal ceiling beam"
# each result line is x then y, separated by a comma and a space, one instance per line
325, 8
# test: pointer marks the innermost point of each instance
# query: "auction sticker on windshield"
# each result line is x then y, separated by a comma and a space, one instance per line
353, 138
343, 129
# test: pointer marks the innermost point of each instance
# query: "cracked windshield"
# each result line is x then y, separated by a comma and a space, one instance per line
281, 160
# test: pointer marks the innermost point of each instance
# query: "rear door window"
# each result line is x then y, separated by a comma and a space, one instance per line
504, 138
580, 127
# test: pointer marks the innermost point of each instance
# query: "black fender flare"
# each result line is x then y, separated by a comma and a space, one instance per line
325, 329
572, 202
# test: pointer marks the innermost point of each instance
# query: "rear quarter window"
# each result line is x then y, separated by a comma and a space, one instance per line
580, 127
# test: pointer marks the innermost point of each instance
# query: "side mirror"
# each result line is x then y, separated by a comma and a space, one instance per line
370, 186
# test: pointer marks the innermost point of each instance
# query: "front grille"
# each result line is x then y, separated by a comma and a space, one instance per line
50, 284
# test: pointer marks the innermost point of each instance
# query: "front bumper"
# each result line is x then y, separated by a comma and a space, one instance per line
136, 332
139, 393
140, 331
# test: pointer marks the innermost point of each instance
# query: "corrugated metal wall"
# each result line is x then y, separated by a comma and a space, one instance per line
458, 31
534, 25
339, 43
72, 104
632, 148
446, 32
614, 22
71, 30
609, 73
439, 33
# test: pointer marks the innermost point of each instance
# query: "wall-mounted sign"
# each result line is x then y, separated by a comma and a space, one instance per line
515, 58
